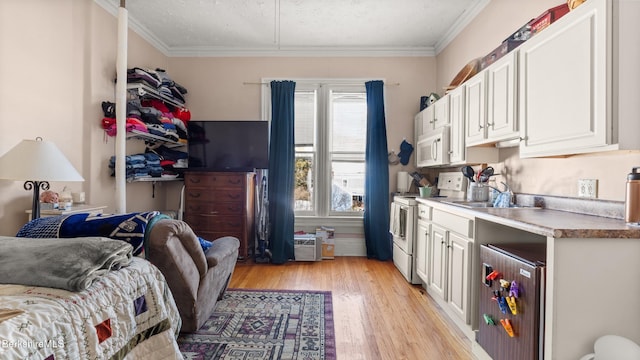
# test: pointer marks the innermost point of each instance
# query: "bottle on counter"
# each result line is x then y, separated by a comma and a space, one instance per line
632, 197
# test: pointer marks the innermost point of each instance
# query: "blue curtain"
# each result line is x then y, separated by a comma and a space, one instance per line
281, 171
376, 183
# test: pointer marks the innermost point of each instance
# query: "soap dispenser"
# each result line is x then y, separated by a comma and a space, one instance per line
632, 197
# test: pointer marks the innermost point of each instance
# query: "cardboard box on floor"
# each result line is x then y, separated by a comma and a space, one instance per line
327, 234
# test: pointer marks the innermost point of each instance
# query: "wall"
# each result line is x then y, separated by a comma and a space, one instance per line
551, 176
57, 66
228, 88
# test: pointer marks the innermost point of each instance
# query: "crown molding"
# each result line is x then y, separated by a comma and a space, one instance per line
138, 28
460, 24
294, 51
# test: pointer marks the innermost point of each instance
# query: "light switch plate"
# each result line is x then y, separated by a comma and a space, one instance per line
588, 188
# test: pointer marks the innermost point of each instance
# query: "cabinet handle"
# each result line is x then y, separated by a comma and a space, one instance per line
235, 182
490, 124
480, 127
434, 149
197, 195
194, 180
450, 151
442, 242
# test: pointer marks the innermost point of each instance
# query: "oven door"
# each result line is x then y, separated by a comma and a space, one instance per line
401, 224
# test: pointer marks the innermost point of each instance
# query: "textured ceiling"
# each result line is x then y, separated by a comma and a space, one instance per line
290, 27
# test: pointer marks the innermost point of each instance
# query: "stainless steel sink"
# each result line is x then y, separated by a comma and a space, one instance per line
485, 204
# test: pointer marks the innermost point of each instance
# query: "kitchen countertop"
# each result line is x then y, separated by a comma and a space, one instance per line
547, 222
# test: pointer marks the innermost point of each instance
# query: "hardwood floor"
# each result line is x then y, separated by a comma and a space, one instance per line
377, 313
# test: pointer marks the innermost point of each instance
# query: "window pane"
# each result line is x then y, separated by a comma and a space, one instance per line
348, 140
305, 117
303, 192
347, 185
348, 121
304, 137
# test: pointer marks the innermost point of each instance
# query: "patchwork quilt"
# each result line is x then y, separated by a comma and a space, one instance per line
125, 314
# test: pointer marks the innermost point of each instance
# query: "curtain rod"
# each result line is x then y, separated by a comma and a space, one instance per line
268, 83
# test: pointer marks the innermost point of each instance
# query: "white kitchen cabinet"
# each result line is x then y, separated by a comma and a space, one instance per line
475, 109
458, 268
438, 262
563, 77
457, 145
490, 104
459, 153
450, 262
579, 82
502, 118
421, 253
441, 112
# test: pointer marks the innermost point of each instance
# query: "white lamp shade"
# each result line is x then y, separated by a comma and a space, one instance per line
37, 160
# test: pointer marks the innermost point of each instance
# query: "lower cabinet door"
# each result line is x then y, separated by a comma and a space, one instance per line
458, 256
438, 261
421, 251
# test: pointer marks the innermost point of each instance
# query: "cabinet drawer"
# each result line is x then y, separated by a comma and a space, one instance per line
217, 195
203, 222
222, 180
424, 212
456, 223
214, 208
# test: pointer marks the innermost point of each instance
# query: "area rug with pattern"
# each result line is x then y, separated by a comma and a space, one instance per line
265, 324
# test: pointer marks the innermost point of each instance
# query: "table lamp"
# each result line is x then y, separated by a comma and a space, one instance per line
37, 162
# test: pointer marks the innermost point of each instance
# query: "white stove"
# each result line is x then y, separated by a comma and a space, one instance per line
402, 226
404, 219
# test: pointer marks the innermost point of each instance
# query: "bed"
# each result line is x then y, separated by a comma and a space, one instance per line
124, 312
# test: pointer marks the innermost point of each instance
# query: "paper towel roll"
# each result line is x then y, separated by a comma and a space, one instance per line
404, 180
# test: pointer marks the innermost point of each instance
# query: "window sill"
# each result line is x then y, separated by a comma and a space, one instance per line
328, 220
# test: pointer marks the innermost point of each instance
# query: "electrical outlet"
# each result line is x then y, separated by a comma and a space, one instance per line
588, 188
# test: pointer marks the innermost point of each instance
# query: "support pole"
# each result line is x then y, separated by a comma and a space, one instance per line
121, 110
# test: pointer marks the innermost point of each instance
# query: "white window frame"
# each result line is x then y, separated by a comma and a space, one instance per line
322, 203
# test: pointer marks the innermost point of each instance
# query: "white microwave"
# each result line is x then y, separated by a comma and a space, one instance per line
433, 148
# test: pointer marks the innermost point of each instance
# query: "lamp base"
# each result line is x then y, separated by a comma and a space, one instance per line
35, 186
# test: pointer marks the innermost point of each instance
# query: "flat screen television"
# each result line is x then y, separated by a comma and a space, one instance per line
240, 146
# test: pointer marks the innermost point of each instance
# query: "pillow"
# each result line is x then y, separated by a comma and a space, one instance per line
206, 244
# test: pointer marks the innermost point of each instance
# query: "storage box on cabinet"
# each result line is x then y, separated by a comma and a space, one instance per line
221, 204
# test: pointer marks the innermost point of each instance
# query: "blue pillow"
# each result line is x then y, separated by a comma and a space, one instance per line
206, 244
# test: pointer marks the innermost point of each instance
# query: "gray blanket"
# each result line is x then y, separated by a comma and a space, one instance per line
71, 264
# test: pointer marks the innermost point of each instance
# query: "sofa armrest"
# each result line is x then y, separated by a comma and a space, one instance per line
166, 231
222, 248
175, 250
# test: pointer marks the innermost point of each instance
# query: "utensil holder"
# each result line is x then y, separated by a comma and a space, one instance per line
477, 192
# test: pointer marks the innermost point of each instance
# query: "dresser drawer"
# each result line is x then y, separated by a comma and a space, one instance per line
217, 195
219, 180
220, 223
214, 208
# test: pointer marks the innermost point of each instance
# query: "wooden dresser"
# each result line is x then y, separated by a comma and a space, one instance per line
221, 204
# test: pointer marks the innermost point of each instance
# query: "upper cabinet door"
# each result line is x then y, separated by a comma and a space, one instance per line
441, 112
457, 145
563, 76
475, 109
501, 94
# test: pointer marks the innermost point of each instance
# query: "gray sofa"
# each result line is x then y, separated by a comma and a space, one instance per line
196, 279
